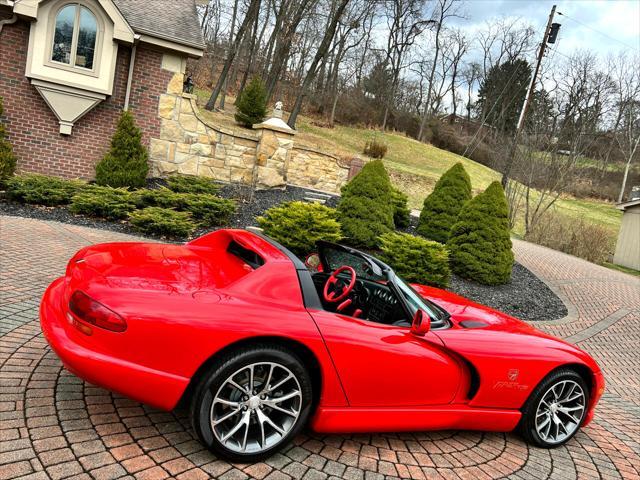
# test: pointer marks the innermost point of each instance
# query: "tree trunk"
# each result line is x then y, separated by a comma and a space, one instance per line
320, 53
231, 32
384, 118
283, 44
252, 49
427, 106
632, 151
253, 9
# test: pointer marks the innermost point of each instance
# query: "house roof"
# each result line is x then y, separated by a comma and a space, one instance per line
631, 203
173, 20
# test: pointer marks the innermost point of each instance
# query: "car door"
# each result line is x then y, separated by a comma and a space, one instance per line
384, 365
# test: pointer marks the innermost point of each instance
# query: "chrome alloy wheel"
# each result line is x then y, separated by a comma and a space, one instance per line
560, 411
256, 407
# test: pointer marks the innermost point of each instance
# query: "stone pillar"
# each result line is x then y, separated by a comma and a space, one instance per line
273, 152
355, 167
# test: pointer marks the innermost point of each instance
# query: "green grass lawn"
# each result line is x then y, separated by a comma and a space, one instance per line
620, 268
416, 166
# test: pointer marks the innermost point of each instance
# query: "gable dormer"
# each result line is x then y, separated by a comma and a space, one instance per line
73, 48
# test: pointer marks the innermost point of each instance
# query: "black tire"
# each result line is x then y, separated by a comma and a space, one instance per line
527, 426
216, 376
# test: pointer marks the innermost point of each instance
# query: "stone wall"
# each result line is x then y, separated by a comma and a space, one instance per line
267, 157
311, 168
189, 145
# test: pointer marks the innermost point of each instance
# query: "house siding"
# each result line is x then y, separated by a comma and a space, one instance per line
33, 129
628, 246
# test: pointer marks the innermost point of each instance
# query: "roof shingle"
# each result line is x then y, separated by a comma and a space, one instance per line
174, 20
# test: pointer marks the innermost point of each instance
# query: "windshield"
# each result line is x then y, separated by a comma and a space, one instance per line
414, 301
334, 256
364, 268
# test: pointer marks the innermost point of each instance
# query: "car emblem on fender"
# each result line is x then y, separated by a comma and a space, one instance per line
512, 374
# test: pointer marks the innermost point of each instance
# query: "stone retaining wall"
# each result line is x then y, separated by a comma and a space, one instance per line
311, 168
268, 158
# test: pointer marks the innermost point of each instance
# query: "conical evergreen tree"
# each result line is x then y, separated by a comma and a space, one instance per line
480, 242
366, 208
441, 207
7, 158
125, 165
252, 104
401, 211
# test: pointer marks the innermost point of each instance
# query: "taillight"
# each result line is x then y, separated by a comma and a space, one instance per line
91, 311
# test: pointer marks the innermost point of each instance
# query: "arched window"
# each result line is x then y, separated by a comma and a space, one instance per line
75, 36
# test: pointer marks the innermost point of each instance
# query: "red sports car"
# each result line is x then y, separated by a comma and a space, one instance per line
261, 344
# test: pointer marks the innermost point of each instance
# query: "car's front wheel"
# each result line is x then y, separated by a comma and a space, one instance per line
252, 403
555, 411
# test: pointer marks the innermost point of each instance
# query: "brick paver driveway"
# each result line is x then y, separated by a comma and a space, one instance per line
55, 426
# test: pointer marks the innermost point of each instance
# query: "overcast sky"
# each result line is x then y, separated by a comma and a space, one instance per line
619, 20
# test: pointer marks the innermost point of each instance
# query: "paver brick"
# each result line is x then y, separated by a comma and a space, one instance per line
53, 425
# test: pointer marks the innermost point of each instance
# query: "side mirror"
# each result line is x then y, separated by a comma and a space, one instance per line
312, 261
421, 324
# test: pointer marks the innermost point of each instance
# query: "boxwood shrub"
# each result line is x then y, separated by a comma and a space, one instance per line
106, 202
480, 242
191, 184
42, 190
299, 225
163, 222
416, 259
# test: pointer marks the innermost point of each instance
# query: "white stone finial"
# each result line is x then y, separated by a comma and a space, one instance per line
277, 111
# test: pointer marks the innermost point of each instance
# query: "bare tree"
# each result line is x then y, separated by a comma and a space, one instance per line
288, 18
234, 15
504, 40
320, 53
445, 9
459, 47
252, 12
471, 74
405, 22
628, 135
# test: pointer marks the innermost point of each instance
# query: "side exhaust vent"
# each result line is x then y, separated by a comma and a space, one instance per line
473, 324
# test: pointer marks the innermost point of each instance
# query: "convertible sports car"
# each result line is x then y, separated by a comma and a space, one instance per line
261, 344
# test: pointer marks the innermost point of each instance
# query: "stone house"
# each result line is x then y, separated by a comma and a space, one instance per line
69, 67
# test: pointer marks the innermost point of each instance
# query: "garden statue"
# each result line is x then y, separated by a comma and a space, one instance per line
277, 111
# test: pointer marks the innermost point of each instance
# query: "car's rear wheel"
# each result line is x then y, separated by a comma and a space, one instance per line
252, 403
556, 409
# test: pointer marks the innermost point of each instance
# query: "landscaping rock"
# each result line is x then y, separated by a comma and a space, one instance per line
525, 296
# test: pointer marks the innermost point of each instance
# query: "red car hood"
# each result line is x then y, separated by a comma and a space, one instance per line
462, 309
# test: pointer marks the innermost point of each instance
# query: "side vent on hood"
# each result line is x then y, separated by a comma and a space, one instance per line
473, 324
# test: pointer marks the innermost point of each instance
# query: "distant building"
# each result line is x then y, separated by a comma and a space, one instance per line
628, 245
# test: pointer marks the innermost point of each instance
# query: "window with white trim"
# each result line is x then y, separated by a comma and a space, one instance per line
75, 36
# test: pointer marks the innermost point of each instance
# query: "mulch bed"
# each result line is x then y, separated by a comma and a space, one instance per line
525, 297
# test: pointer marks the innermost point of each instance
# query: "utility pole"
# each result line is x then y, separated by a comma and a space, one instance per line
529, 95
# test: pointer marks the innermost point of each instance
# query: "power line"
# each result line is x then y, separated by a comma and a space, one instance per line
598, 31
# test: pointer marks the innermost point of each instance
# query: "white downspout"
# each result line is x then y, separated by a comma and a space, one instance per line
132, 62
